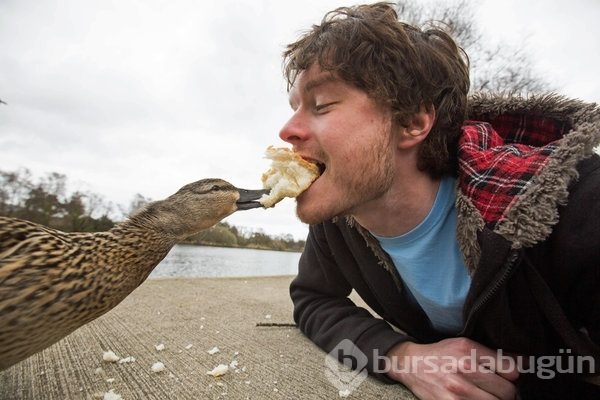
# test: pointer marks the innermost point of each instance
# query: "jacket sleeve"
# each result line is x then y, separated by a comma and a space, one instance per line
569, 264
583, 238
327, 316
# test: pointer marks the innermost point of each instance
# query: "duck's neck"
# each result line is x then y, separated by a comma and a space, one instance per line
141, 251
161, 219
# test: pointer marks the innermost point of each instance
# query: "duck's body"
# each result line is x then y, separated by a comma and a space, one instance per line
53, 282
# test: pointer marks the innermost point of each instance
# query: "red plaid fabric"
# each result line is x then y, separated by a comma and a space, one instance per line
497, 164
534, 131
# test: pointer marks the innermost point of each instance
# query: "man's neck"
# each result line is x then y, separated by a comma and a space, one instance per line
404, 206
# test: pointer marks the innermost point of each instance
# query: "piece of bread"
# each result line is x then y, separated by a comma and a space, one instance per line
288, 176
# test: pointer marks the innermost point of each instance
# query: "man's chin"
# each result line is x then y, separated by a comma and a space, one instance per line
308, 218
312, 216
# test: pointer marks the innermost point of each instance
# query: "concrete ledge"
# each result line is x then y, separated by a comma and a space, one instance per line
273, 362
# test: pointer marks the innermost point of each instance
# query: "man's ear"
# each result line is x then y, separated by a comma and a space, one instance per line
418, 127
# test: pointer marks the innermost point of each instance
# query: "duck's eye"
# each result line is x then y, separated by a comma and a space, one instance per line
215, 187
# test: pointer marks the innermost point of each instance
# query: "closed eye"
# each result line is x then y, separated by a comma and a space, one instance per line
323, 107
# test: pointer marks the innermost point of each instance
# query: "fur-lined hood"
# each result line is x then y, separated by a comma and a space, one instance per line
550, 133
554, 134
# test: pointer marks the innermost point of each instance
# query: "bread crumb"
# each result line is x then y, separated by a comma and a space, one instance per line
189, 346
111, 395
129, 359
219, 370
110, 356
214, 350
159, 347
158, 367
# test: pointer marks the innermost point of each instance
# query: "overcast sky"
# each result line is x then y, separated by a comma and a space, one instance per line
144, 96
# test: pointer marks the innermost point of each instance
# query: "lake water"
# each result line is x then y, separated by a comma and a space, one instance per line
204, 261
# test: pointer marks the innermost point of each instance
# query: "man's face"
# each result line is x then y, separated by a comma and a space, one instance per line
348, 135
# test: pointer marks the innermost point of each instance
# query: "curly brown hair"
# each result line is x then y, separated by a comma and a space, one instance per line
398, 65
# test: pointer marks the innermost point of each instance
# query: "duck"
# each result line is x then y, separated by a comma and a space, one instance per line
53, 282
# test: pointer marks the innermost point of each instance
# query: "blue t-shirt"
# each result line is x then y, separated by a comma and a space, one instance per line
430, 262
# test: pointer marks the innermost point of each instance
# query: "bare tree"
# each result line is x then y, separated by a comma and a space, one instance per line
46, 202
138, 202
96, 206
494, 67
14, 187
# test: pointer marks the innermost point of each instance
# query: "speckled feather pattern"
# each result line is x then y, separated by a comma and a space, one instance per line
55, 281
52, 282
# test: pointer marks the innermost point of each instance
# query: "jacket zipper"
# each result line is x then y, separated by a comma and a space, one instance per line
491, 291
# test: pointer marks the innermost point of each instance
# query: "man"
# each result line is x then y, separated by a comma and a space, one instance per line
475, 240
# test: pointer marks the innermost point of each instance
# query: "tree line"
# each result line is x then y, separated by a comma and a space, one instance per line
226, 235
47, 201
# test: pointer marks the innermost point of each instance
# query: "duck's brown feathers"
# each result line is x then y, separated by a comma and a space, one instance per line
52, 282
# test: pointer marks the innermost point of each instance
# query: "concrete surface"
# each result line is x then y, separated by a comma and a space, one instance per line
190, 317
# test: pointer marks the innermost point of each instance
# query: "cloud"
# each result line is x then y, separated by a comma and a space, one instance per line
131, 97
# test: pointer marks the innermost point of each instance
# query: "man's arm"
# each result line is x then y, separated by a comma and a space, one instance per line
327, 316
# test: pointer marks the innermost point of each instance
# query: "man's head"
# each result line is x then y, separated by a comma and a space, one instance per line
401, 67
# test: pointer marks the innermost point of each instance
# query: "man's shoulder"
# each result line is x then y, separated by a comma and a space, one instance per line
583, 205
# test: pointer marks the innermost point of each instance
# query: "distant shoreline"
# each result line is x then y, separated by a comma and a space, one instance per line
239, 247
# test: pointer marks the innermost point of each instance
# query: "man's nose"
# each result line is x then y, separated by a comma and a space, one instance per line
294, 130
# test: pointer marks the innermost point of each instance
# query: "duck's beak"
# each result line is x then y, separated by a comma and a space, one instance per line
249, 198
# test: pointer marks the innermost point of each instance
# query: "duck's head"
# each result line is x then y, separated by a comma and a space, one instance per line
196, 206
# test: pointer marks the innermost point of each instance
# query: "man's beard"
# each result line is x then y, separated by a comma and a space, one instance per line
360, 183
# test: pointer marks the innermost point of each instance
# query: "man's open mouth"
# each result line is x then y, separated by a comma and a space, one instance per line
322, 167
